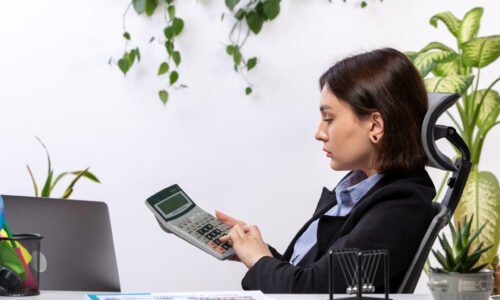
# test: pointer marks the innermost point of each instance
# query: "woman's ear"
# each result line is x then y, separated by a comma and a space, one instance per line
376, 127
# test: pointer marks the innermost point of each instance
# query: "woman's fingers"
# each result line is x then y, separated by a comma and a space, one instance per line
234, 236
228, 219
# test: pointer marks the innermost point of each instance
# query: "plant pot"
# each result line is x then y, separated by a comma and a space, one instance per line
458, 286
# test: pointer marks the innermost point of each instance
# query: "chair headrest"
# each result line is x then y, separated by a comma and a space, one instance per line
438, 104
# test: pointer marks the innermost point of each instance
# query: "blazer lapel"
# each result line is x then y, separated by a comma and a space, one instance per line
326, 201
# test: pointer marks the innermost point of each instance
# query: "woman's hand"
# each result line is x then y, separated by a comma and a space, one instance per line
228, 220
247, 243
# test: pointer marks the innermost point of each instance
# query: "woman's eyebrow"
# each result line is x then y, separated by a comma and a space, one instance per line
322, 108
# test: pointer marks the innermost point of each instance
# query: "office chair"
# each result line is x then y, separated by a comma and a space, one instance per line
439, 103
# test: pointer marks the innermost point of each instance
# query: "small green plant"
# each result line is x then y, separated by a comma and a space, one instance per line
462, 255
52, 179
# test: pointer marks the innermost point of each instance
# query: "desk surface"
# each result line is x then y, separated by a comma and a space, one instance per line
64, 295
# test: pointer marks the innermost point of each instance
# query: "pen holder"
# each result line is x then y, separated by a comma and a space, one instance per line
20, 265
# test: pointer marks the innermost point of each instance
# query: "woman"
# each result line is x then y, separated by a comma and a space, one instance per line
372, 106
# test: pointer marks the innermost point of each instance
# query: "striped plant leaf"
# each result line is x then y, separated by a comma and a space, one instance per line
449, 84
452, 67
480, 52
481, 197
470, 25
491, 103
426, 61
449, 20
436, 46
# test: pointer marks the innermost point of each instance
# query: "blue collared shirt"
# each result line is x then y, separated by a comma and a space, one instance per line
348, 192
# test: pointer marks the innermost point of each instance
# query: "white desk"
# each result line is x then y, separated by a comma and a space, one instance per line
64, 295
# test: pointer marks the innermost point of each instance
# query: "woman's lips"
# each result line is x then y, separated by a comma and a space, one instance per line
328, 154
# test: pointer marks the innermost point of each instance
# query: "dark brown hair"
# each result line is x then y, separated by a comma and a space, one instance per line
385, 80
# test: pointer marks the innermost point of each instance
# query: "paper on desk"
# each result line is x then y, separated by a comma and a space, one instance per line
231, 295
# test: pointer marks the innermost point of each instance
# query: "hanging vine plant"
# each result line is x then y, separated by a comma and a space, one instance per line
249, 17
173, 27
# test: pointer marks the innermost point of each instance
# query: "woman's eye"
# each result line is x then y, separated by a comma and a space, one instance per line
328, 121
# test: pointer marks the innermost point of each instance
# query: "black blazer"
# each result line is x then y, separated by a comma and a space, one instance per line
393, 215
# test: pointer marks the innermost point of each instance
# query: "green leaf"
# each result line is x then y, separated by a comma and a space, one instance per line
438, 46
163, 68
171, 11
163, 96
231, 3
124, 65
69, 189
254, 21
47, 185
169, 46
450, 84
237, 56
411, 55
151, 7
230, 49
363, 4
248, 90
126, 35
151, 39
169, 32
490, 105
176, 57
470, 25
240, 14
139, 6
173, 77
481, 197
425, 62
481, 52
449, 20
271, 8
441, 259
137, 53
35, 186
251, 63
178, 25
452, 67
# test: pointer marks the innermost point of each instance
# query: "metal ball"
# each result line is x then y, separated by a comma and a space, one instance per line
371, 288
355, 289
349, 290
365, 288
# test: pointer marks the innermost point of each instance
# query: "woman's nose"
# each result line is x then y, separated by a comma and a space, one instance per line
320, 134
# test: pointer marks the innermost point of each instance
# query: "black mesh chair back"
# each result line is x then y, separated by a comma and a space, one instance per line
438, 104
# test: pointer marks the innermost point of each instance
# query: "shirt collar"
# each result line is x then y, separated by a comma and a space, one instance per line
357, 184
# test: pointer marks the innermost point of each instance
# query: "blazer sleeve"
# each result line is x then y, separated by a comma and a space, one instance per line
397, 225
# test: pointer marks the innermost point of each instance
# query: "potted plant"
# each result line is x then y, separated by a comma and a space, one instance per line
458, 70
461, 276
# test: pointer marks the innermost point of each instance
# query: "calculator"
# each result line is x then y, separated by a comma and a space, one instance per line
178, 214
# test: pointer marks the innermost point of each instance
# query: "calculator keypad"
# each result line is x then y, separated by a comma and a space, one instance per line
206, 229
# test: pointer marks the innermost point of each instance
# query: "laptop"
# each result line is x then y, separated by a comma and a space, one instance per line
77, 251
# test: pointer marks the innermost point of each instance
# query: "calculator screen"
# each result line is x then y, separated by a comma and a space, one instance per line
173, 204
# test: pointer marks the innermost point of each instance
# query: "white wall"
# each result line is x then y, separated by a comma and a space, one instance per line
253, 157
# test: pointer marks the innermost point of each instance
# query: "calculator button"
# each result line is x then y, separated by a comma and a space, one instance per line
225, 246
204, 239
209, 226
200, 231
212, 245
217, 241
209, 236
220, 249
217, 231
215, 222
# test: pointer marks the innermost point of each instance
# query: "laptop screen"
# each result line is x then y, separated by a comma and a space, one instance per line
77, 251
